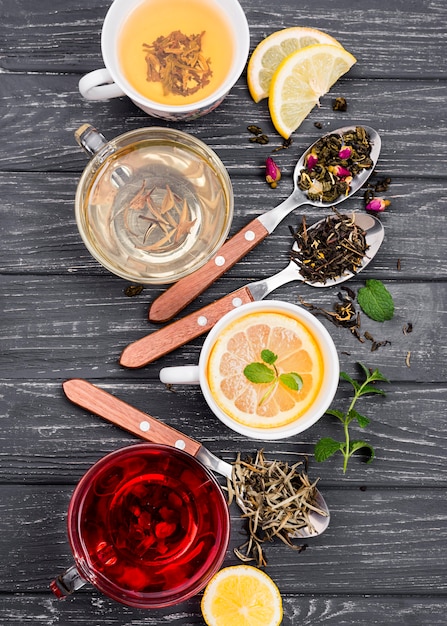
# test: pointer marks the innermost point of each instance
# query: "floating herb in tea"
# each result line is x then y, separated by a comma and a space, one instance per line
327, 446
166, 214
333, 162
176, 61
332, 248
277, 499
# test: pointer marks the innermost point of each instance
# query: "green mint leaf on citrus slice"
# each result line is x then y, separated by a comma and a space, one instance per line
292, 381
268, 356
376, 301
325, 448
259, 373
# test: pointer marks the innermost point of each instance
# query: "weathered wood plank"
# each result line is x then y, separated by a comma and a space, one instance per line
46, 439
41, 112
41, 236
378, 541
92, 608
74, 326
66, 38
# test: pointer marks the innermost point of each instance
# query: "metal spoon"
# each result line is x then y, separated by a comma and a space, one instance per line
187, 289
163, 341
100, 402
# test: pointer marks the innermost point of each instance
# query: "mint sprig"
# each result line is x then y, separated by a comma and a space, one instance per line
327, 447
376, 301
267, 373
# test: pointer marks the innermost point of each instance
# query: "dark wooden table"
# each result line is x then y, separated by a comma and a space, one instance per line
383, 559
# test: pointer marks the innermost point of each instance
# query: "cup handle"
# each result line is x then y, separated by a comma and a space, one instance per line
67, 583
180, 375
99, 85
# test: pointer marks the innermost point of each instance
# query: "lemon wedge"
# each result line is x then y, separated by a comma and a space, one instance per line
269, 53
300, 81
242, 595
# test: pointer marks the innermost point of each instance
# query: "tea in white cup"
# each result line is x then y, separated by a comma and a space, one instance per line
176, 59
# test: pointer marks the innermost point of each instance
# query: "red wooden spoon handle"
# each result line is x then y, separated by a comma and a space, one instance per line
167, 339
187, 289
102, 403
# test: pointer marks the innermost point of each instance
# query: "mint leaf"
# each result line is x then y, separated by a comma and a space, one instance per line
268, 356
325, 448
361, 419
353, 382
292, 381
370, 389
259, 373
375, 300
335, 413
358, 445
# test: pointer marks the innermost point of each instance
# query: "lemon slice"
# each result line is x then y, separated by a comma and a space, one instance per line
241, 343
269, 53
242, 596
300, 81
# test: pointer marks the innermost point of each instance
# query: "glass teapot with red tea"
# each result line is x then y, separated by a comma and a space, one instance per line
148, 526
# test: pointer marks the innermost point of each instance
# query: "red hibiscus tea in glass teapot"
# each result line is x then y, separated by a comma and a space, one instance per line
148, 526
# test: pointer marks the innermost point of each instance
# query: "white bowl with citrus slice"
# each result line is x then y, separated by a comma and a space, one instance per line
268, 370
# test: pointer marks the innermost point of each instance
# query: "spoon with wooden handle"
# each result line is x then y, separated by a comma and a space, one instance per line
187, 289
105, 405
176, 334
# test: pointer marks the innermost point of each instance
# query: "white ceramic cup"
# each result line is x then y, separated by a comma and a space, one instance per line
109, 82
196, 374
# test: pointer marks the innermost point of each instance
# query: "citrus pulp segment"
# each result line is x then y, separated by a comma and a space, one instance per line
300, 81
241, 343
242, 595
269, 53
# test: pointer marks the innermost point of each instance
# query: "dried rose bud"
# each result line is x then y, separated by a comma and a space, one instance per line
339, 171
345, 152
272, 172
377, 204
311, 160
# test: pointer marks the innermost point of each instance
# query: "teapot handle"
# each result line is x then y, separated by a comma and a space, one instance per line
66, 583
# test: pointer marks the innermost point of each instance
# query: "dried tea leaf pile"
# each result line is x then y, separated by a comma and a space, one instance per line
177, 61
331, 248
333, 162
277, 499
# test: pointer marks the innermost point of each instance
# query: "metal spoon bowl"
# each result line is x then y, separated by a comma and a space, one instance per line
163, 341
374, 236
